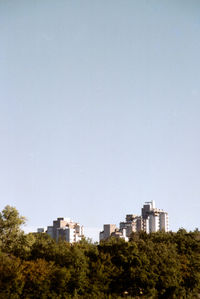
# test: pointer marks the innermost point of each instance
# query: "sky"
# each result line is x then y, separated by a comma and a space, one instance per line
100, 110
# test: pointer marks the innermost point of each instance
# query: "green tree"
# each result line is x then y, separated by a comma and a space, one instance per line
11, 278
36, 279
11, 233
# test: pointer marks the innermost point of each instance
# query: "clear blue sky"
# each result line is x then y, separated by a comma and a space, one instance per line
100, 109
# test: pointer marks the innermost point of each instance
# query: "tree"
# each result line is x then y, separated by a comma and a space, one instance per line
10, 232
11, 278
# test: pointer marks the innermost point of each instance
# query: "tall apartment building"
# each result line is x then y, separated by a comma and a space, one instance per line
65, 229
155, 219
164, 221
132, 224
108, 229
151, 220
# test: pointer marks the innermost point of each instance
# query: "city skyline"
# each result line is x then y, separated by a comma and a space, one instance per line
134, 223
151, 220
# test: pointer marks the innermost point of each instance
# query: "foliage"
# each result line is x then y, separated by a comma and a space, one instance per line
10, 232
157, 265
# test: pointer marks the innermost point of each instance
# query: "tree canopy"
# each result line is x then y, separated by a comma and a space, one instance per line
157, 265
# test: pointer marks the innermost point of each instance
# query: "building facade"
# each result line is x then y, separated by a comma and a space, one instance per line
151, 220
108, 229
65, 229
154, 219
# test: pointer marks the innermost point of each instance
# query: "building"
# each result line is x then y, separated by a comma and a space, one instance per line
164, 222
132, 224
154, 219
151, 220
41, 230
120, 234
108, 229
65, 229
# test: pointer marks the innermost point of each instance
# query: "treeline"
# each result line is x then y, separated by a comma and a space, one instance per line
159, 265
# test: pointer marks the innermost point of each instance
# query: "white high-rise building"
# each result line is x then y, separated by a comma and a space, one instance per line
164, 222
154, 223
154, 219
151, 220
65, 229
